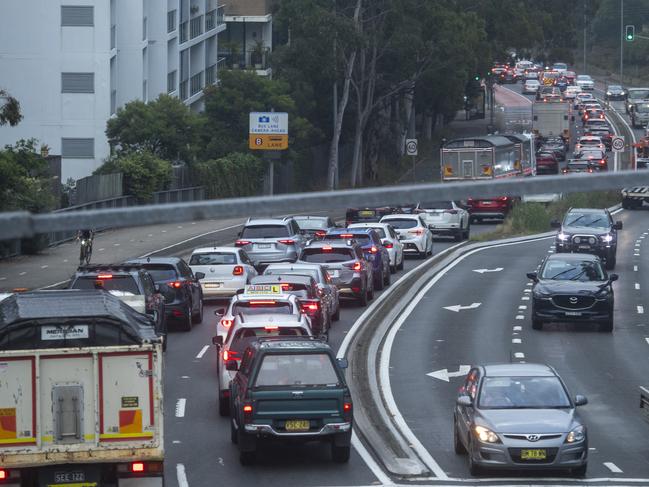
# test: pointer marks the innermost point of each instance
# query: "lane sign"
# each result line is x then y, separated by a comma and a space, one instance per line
458, 307
268, 131
618, 143
445, 375
411, 147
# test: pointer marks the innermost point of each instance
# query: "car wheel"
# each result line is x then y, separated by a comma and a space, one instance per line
198, 316
224, 404
430, 250
188, 318
467, 232
537, 324
247, 457
579, 471
400, 266
459, 235
422, 254
370, 292
340, 454
336, 315
363, 299
606, 326
457, 442
387, 278
234, 438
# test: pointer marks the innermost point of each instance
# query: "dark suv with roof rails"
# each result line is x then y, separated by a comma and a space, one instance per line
184, 301
590, 231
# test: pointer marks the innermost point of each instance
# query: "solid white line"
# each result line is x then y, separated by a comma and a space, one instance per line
22, 273
637, 285
640, 310
517, 94
520, 317
612, 467
522, 306
180, 407
202, 352
647, 340
44, 266
190, 239
181, 475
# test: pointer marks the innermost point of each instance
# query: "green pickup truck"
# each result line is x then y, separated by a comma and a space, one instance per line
290, 390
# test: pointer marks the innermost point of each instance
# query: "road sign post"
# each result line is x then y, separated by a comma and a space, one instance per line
617, 144
411, 150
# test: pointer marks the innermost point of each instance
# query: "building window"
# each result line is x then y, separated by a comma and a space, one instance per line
77, 82
77, 16
171, 81
196, 27
78, 148
171, 20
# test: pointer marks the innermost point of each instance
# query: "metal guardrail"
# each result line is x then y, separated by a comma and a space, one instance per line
195, 193
25, 224
644, 402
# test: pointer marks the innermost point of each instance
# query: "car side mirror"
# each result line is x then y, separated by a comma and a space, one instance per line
217, 340
555, 224
465, 401
533, 276
199, 275
613, 277
219, 311
580, 400
232, 365
618, 225
342, 363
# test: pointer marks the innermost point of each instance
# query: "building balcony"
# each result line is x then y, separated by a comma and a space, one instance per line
184, 30
254, 59
215, 18
195, 27
184, 90
196, 83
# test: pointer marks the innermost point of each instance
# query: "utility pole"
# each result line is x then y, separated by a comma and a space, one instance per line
584, 8
621, 41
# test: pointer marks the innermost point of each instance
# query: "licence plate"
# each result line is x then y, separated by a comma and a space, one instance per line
69, 477
263, 246
366, 213
487, 202
297, 425
534, 454
212, 285
75, 484
573, 313
584, 247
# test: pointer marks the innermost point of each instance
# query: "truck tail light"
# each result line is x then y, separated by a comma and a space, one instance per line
347, 408
237, 271
4, 475
105, 276
247, 413
137, 467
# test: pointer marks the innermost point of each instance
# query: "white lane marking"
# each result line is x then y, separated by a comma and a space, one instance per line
370, 462
22, 273
176, 442
517, 94
3, 278
445, 375
202, 352
45, 266
180, 407
179, 227
529, 284
522, 306
637, 285
640, 310
190, 239
635, 268
458, 307
527, 290
184, 377
525, 298
181, 475
482, 271
517, 340
612, 467
518, 328
637, 244
519, 355
101, 249
550, 251
65, 260
116, 245
636, 254
163, 231
647, 340
520, 317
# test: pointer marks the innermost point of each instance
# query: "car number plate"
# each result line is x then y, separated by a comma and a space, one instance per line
487, 202
584, 247
263, 246
573, 313
297, 425
534, 454
75, 484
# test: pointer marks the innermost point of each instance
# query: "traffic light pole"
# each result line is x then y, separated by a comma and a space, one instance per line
622, 35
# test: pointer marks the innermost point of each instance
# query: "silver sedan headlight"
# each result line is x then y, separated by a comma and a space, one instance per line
485, 435
576, 435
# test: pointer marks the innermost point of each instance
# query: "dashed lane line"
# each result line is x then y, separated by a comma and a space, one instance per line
180, 407
518, 328
635, 268
640, 310
612, 467
181, 475
637, 285
520, 317
202, 352
519, 355
517, 340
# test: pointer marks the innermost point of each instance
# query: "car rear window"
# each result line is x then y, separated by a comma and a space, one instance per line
292, 272
114, 283
361, 238
213, 258
161, 272
265, 231
401, 222
309, 224
244, 336
262, 306
304, 370
638, 94
436, 205
322, 256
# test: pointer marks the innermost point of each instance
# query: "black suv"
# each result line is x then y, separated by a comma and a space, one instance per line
293, 390
131, 283
184, 300
590, 231
572, 288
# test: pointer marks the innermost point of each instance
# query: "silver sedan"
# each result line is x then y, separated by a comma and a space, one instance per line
519, 417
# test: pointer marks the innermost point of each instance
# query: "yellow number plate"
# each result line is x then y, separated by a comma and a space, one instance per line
297, 425
533, 454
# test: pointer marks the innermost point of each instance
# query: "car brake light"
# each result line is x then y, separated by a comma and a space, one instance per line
175, 284
417, 231
242, 243
320, 233
286, 287
357, 266
230, 355
503, 198
247, 413
137, 467
313, 306
346, 235
388, 245
258, 303
373, 249
347, 407
3, 474
287, 241
603, 161
227, 323
105, 276
237, 271
327, 248
271, 327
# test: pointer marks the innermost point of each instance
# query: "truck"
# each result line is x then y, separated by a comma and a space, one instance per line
634, 197
639, 113
80, 392
552, 119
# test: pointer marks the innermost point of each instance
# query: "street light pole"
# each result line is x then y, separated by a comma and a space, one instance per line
585, 71
621, 40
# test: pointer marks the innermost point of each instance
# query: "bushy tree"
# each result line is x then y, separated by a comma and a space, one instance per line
9, 109
236, 174
143, 172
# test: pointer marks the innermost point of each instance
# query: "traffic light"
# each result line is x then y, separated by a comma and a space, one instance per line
477, 77
630, 33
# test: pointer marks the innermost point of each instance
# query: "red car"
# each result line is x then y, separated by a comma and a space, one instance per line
482, 209
547, 163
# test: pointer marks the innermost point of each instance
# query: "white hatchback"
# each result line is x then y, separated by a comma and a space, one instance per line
531, 86
413, 233
389, 239
227, 270
446, 218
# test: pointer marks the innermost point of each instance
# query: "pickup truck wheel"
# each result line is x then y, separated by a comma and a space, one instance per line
610, 262
387, 279
606, 326
224, 404
459, 235
458, 447
400, 266
340, 454
336, 315
537, 324
362, 300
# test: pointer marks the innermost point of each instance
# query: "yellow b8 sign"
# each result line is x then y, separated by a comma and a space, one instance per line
268, 142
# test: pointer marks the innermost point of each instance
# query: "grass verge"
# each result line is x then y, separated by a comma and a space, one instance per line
531, 218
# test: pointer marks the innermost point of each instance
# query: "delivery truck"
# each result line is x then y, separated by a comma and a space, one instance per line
552, 119
80, 392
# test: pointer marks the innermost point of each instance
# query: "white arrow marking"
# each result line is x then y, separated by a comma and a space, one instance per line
458, 307
445, 375
482, 271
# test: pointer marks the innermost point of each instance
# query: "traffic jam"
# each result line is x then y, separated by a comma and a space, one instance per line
254, 321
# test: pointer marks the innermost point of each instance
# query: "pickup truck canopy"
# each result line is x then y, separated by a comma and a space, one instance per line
71, 318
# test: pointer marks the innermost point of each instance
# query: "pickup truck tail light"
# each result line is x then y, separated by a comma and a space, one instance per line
237, 271
348, 409
230, 355
247, 413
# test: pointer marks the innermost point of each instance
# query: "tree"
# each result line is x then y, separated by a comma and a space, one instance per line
143, 171
9, 109
236, 174
165, 127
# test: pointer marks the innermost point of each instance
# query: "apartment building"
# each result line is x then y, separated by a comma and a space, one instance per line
248, 40
73, 63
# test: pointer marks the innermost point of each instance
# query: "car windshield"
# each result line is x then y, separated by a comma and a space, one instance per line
262, 306
615, 88
572, 270
113, 283
161, 272
303, 370
523, 393
213, 258
638, 94
243, 337
327, 256
594, 220
642, 108
361, 238
311, 224
265, 231
401, 223
584, 77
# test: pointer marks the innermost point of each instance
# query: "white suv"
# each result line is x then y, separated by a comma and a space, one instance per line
413, 233
446, 218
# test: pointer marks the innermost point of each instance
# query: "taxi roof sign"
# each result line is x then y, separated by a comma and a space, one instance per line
263, 290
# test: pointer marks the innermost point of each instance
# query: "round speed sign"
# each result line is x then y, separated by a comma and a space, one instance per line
618, 143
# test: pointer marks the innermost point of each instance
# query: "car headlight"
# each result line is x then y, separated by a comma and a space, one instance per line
563, 236
608, 93
576, 435
607, 238
486, 435
603, 293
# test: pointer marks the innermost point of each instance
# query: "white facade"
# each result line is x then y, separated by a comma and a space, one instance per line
71, 68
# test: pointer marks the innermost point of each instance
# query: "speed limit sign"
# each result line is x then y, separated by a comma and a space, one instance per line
411, 147
618, 143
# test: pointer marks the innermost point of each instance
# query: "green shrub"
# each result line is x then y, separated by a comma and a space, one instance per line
236, 174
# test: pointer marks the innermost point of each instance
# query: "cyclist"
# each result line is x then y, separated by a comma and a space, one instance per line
86, 237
